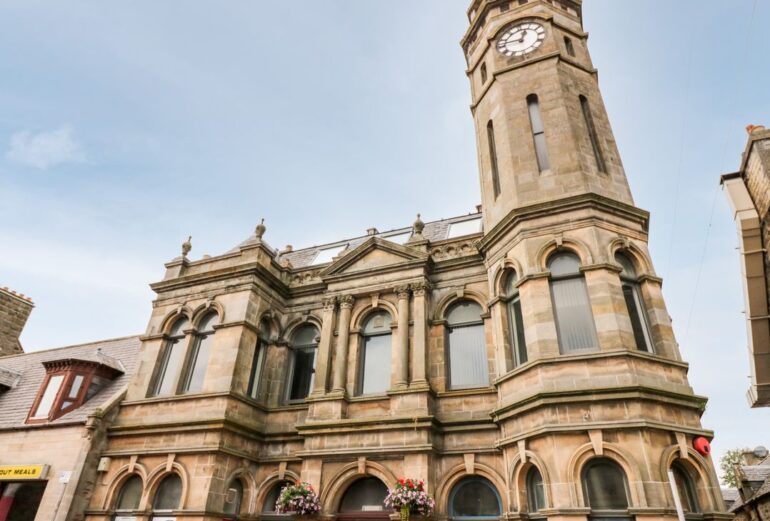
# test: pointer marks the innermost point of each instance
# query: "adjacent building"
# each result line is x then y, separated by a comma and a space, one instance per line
14, 312
748, 192
753, 495
520, 360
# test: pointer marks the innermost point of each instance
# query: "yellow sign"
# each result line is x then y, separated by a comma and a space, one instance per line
21, 472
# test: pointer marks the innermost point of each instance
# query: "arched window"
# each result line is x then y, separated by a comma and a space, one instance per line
365, 495
271, 498
233, 499
569, 46
685, 487
592, 134
493, 158
605, 488
374, 364
130, 494
572, 308
168, 495
474, 498
198, 361
515, 320
467, 351
258, 362
170, 363
302, 371
483, 73
633, 295
538, 133
535, 491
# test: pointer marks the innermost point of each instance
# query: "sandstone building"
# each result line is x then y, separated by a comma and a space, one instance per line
14, 312
748, 192
519, 360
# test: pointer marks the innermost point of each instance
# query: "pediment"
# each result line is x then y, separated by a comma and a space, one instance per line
375, 254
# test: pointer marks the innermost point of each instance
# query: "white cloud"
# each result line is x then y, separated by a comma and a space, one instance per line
45, 149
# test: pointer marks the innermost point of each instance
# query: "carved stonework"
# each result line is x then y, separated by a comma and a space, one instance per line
330, 303
454, 250
346, 301
420, 289
260, 229
187, 246
402, 292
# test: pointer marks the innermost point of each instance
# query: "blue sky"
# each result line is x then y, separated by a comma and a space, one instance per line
128, 126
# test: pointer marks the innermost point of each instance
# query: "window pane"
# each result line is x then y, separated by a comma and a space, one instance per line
49, 395
305, 336
574, 319
207, 324
180, 326
534, 115
199, 364
302, 377
365, 494
510, 284
459, 229
605, 486
475, 497
130, 494
272, 496
463, 313
378, 322
97, 384
169, 494
493, 158
77, 383
399, 238
233, 498
564, 264
535, 490
517, 332
686, 489
170, 369
467, 357
256, 369
638, 324
376, 364
593, 136
328, 254
542, 153
629, 270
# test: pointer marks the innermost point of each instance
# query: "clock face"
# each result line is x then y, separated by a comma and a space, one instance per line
521, 39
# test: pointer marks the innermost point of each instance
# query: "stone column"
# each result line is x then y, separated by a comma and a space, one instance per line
324, 348
401, 358
420, 351
343, 339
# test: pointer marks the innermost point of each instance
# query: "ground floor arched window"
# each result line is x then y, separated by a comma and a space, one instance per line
474, 498
364, 499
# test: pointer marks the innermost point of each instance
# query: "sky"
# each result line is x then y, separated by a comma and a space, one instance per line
126, 127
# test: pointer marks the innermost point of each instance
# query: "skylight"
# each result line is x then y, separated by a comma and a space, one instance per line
399, 238
328, 254
461, 228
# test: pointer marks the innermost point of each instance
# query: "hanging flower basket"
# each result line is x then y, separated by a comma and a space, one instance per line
410, 500
299, 499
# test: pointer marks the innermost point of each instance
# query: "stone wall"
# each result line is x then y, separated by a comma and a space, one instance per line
14, 311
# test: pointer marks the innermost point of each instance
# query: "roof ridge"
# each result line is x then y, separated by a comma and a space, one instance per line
94, 342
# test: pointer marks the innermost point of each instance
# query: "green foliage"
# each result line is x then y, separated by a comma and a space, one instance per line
728, 462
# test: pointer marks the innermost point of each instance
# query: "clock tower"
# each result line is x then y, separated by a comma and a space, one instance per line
543, 132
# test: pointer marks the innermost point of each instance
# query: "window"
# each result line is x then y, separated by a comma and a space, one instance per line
483, 73
568, 45
272, 497
461, 228
593, 136
233, 499
535, 491
538, 133
399, 238
74, 391
328, 254
171, 359
49, 395
301, 376
467, 350
260, 352
572, 309
685, 487
634, 304
374, 372
474, 498
168, 495
605, 488
130, 494
365, 495
515, 321
493, 158
198, 360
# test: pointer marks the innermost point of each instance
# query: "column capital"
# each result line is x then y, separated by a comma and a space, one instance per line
420, 289
330, 303
346, 301
402, 292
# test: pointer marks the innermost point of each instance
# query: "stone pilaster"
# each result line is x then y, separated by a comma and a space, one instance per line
420, 345
401, 356
324, 348
343, 339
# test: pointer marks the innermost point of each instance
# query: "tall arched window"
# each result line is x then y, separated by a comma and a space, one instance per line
483, 73
374, 364
605, 488
170, 363
538, 133
634, 304
130, 494
474, 498
467, 351
258, 362
493, 158
169, 495
365, 495
198, 360
572, 308
592, 134
515, 320
233, 499
304, 343
569, 46
685, 487
268, 506
535, 491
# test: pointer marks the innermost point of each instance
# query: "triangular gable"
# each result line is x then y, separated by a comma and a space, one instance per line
372, 254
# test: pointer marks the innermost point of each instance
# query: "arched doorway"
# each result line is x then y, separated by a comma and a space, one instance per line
363, 500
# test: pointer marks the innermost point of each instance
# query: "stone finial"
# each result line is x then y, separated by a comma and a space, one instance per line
750, 129
417, 227
259, 231
187, 246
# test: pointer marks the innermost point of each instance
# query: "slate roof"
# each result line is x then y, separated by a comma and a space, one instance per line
119, 353
434, 231
756, 472
730, 494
